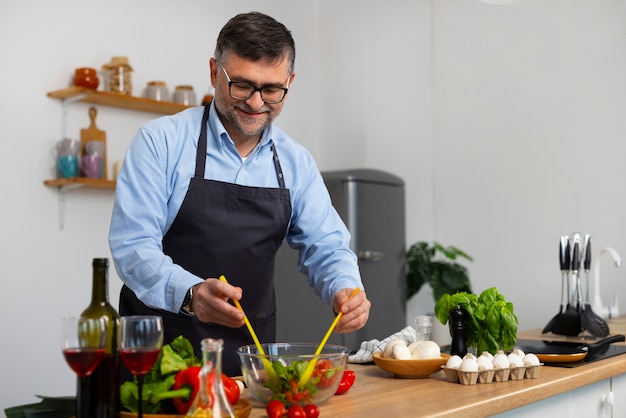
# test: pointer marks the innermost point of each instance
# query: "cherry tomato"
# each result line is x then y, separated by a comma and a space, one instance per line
347, 380
325, 372
296, 411
275, 409
312, 411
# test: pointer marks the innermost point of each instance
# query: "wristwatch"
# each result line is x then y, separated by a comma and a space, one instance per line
187, 308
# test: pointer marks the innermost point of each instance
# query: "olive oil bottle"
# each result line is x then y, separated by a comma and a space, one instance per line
98, 395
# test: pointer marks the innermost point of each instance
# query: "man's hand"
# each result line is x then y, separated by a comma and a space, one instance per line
355, 311
210, 303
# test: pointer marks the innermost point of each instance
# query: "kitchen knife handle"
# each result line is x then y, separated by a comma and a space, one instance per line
576, 256
587, 262
564, 253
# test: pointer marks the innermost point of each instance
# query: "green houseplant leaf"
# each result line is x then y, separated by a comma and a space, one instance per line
443, 274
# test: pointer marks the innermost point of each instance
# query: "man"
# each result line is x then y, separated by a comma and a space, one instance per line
215, 191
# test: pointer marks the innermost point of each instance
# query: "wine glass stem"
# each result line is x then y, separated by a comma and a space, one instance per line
140, 390
81, 407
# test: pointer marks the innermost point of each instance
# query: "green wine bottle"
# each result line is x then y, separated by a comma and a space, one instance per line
98, 395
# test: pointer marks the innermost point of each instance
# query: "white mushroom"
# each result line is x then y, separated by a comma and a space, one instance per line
401, 352
388, 351
426, 350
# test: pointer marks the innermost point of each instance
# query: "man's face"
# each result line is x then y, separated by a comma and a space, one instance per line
247, 118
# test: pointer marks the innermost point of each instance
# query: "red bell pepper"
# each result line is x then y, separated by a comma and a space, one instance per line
186, 386
231, 388
190, 379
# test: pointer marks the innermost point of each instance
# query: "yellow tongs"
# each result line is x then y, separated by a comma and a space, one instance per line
266, 363
311, 366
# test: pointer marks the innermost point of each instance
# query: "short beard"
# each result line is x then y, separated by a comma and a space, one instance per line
237, 121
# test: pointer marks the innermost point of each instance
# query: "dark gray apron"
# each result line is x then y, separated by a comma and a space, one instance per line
229, 229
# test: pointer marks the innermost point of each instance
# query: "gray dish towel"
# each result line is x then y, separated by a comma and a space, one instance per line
368, 348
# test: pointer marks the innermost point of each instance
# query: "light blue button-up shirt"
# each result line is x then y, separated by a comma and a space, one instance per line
153, 182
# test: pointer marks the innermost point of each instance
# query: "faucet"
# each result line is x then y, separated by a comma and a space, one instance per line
596, 303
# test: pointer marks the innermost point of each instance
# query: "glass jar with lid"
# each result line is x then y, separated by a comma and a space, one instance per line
185, 95
157, 90
118, 74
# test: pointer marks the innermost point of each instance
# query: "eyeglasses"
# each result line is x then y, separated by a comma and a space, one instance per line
241, 90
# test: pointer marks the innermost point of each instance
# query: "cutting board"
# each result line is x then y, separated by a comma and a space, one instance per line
92, 133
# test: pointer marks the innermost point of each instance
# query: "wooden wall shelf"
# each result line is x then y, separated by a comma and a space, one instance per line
117, 100
76, 182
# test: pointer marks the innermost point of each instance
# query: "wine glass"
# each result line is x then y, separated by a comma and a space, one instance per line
83, 341
139, 343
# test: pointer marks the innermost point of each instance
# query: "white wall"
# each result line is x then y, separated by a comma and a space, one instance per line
530, 105
505, 122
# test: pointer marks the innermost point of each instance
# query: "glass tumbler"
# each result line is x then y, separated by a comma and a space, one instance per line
423, 327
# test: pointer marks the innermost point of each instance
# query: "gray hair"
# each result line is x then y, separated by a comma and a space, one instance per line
256, 36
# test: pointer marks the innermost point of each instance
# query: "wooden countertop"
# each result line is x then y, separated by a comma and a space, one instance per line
377, 393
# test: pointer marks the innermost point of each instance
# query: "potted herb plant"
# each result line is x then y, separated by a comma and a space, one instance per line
436, 265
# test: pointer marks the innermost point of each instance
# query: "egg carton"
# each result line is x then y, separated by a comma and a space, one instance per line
489, 376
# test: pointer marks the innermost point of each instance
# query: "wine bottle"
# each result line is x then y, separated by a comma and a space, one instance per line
98, 395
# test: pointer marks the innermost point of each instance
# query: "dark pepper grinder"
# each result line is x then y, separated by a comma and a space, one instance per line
457, 328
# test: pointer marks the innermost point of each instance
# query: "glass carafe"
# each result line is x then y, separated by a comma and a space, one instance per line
211, 399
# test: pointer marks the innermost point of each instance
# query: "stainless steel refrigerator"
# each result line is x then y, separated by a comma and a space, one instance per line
371, 203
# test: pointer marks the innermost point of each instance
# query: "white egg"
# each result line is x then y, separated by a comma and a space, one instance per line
469, 365
500, 360
487, 354
531, 360
515, 360
469, 356
454, 362
518, 352
484, 363
426, 350
388, 351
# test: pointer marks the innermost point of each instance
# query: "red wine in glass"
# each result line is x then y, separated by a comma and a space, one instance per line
83, 343
139, 360
139, 342
83, 360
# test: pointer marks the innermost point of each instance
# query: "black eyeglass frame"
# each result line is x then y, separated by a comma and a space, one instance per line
255, 89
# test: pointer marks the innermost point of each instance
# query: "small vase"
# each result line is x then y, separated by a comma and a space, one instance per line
211, 399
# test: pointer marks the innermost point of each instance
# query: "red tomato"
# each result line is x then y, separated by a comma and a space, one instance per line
311, 411
275, 409
296, 411
347, 380
325, 372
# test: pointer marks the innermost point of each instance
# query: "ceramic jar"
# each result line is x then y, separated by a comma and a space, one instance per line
86, 77
185, 95
157, 90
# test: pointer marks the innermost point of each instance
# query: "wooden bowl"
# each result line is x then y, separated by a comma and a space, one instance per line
242, 409
410, 369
